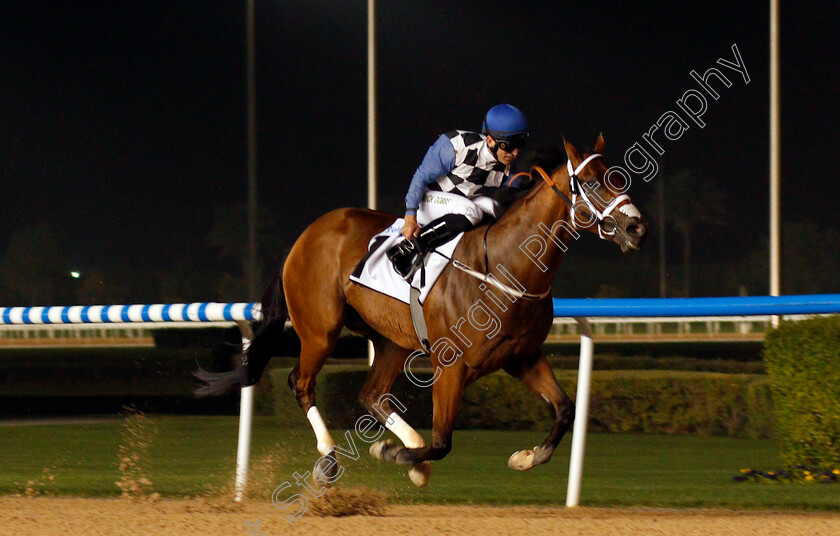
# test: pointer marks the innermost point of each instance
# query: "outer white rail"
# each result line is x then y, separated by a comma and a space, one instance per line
661, 307
580, 309
177, 313
581, 408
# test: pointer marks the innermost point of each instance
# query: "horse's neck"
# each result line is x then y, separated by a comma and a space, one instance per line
527, 240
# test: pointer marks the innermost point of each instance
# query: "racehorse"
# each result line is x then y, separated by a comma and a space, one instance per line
521, 251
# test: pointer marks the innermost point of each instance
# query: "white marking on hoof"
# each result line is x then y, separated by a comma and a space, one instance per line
521, 460
377, 448
325, 440
408, 435
420, 473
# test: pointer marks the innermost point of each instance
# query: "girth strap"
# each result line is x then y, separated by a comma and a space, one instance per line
418, 320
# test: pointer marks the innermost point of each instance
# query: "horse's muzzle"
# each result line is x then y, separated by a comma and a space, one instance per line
632, 234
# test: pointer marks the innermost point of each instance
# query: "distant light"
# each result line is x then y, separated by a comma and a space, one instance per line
75, 275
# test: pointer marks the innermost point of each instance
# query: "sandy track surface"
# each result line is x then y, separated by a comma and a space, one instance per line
115, 517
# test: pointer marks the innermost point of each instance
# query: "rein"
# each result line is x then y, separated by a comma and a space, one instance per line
487, 278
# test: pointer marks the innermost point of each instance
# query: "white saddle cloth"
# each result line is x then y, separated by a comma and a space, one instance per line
377, 273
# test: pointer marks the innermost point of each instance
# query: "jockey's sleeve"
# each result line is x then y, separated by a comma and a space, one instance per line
439, 160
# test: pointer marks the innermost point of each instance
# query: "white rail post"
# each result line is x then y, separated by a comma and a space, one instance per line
246, 410
581, 413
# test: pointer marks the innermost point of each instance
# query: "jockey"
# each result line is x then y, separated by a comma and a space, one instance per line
456, 183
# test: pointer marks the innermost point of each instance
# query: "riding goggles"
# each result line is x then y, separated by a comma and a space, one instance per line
512, 143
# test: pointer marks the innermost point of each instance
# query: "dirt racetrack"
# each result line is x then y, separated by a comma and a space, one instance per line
199, 517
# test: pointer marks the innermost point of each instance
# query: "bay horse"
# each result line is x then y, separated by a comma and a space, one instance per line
526, 245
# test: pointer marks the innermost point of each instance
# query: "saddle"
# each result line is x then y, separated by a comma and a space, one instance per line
376, 272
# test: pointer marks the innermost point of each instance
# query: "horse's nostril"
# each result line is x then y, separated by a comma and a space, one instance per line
636, 230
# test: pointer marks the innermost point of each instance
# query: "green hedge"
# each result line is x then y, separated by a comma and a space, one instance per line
621, 401
79, 372
701, 403
803, 363
645, 362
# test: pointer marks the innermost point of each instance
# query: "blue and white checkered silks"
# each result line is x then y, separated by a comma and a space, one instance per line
475, 166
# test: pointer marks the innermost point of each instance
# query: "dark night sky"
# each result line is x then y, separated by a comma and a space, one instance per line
124, 123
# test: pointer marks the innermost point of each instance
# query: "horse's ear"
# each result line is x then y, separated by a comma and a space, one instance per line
599, 145
571, 152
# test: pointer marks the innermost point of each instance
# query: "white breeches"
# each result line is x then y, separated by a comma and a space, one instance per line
437, 204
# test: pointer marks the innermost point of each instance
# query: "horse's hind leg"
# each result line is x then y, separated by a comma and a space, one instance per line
539, 378
315, 346
376, 397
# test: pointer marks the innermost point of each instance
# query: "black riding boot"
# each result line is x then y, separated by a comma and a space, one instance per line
407, 256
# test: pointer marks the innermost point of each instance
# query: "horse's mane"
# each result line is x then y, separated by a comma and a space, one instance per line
548, 157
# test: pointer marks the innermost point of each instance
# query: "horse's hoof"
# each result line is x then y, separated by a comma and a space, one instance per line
420, 473
326, 478
521, 460
378, 449
320, 480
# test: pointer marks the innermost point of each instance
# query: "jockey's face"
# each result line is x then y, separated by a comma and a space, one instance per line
502, 156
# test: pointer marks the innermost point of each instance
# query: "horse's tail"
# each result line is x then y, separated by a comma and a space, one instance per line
262, 348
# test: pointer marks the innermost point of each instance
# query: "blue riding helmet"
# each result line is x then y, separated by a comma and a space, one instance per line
505, 122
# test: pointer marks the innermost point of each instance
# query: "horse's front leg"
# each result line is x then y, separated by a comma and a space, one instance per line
446, 397
539, 378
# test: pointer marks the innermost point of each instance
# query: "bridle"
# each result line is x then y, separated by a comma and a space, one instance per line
606, 223
607, 226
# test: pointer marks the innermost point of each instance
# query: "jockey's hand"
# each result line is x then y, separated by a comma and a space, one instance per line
410, 228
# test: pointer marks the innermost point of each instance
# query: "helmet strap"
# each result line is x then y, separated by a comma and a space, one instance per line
494, 150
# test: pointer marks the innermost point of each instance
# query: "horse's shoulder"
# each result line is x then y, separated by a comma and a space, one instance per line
473, 240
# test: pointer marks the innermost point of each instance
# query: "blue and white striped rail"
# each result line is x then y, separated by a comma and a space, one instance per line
109, 314
584, 307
